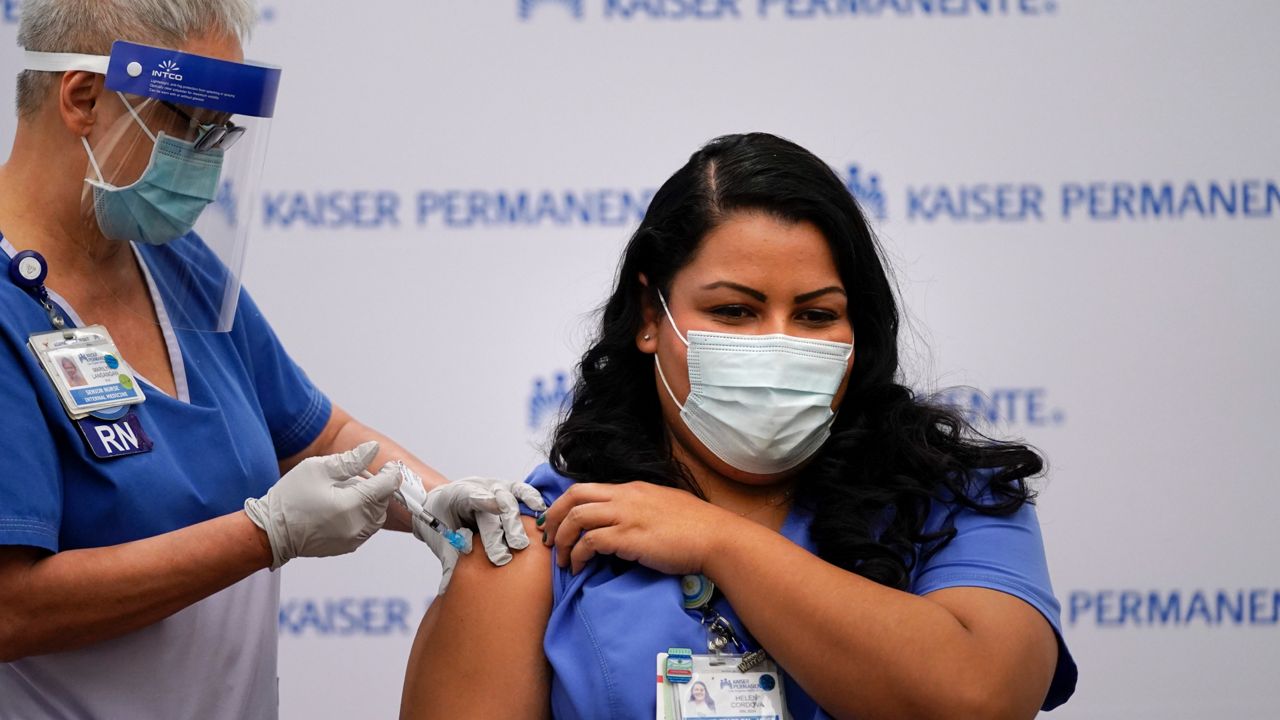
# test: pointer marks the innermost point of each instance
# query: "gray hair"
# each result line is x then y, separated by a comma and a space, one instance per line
90, 26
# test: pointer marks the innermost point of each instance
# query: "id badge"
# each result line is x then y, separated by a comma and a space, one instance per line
712, 686
86, 369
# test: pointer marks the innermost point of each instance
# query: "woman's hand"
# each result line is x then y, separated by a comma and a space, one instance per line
662, 528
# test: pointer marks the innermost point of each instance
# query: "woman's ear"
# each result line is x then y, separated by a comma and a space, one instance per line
78, 95
647, 334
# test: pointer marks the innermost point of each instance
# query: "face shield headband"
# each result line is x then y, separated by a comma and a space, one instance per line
179, 167
173, 76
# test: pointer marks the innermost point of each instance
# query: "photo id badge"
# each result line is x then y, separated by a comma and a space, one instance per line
86, 369
712, 686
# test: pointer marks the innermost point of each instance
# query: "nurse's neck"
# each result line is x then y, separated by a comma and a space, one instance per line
41, 186
762, 499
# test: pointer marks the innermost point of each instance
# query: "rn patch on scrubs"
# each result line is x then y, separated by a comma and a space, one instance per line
109, 439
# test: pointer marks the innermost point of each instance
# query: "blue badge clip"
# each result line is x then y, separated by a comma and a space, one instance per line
696, 591
27, 270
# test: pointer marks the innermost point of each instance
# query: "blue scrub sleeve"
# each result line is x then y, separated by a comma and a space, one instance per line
549, 483
30, 479
1004, 554
295, 409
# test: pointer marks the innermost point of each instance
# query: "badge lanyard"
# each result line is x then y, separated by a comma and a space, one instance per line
28, 270
728, 682
96, 387
699, 595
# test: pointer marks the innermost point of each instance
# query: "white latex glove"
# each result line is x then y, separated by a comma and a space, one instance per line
490, 506
323, 507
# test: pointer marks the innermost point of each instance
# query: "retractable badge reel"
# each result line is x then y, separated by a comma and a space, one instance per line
728, 681
28, 270
95, 385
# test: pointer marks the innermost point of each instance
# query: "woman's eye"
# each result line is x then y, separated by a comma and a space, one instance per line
818, 317
732, 312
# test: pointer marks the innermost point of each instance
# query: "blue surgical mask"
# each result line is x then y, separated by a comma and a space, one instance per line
761, 403
164, 203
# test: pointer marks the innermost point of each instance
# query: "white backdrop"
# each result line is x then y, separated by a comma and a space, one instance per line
1080, 197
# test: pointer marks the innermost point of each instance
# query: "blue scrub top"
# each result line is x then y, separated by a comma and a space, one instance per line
242, 405
609, 622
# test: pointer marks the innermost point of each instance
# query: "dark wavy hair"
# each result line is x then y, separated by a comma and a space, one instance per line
891, 454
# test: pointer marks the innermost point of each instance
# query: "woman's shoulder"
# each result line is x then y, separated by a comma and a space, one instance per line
990, 542
978, 491
550, 483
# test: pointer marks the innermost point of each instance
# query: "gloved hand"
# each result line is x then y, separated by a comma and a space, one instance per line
323, 507
488, 505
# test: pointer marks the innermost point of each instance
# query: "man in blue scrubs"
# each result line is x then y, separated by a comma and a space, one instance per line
132, 582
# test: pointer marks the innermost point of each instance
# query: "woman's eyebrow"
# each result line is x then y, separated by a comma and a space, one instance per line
740, 288
806, 297
801, 298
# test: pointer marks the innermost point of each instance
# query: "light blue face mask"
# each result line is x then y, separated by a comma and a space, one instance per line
164, 203
761, 403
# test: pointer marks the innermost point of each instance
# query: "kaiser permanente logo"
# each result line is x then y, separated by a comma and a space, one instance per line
1091, 200
1176, 607
1023, 407
624, 10
347, 616
981, 202
458, 209
549, 396
225, 203
572, 7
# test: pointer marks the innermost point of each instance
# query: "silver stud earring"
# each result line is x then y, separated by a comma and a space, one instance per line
646, 337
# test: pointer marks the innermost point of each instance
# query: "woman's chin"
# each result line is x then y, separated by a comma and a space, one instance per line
730, 472
690, 447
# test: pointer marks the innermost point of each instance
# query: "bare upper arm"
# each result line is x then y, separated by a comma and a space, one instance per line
1020, 647
478, 652
15, 558
15, 561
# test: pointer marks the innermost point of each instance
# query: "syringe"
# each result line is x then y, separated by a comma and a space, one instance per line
453, 537
413, 497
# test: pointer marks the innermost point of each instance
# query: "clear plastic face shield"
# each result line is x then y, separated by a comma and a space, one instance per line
173, 167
